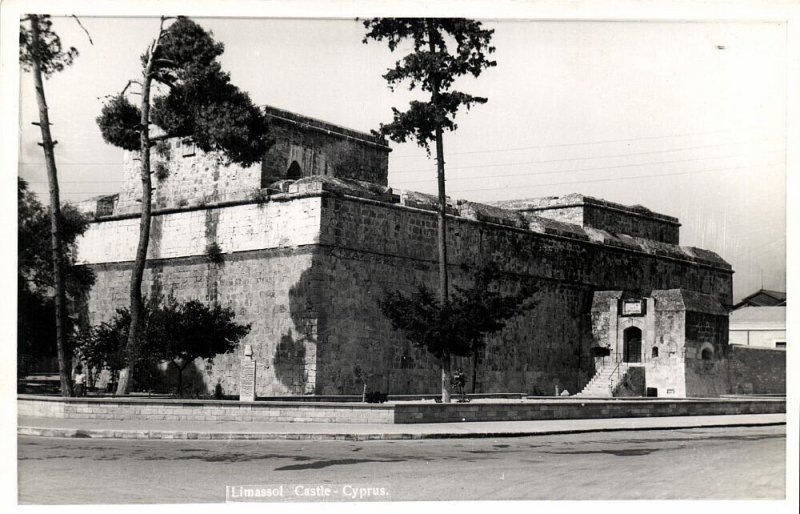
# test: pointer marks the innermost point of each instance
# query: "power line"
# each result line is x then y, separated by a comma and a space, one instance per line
579, 182
467, 167
400, 172
578, 170
561, 145
614, 179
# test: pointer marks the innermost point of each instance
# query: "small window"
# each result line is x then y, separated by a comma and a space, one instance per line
655, 351
652, 392
780, 344
188, 148
294, 172
707, 354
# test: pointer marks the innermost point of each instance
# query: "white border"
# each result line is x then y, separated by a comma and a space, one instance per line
601, 10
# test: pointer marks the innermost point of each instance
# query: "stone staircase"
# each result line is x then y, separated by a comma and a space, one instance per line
599, 385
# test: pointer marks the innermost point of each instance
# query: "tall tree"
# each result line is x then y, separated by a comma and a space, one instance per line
442, 49
199, 103
41, 52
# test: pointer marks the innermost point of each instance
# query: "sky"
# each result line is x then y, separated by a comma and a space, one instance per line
687, 119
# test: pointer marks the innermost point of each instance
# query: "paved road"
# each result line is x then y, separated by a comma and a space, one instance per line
720, 463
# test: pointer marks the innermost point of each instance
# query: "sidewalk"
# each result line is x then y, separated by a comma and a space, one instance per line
229, 430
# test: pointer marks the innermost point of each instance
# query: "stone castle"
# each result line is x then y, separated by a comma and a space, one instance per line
307, 242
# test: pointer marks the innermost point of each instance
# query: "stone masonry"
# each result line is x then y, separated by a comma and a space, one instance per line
184, 176
306, 268
305, 259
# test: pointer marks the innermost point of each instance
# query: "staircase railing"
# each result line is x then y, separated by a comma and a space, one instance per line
611, 376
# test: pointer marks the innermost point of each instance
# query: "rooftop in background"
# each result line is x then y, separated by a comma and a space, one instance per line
758, 317
763, 298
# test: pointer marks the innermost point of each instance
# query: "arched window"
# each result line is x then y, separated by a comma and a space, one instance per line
655, 351
294, 172
707, 354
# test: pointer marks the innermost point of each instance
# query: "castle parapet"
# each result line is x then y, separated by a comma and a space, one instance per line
585, 211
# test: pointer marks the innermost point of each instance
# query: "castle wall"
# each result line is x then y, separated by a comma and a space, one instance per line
262, 289
585, 211
373, 246
666, 373
306, 271
267, 252
192, 178
633, 224
318, 152
756, 370
183, 175
234, 228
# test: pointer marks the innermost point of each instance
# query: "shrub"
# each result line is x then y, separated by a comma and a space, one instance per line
214, 253
376, 397
161, 171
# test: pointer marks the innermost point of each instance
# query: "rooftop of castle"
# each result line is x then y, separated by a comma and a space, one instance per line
579, 200
282, 115
511, 218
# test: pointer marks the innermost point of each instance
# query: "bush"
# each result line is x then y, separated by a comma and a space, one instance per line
376, 397
162, 171
214, 253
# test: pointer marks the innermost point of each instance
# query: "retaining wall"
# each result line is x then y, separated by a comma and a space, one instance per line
202, 410
454, 412
401, 413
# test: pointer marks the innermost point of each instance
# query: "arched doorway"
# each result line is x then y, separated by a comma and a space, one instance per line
294, 172
632, 345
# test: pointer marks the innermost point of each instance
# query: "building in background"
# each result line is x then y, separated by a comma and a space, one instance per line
762, 327
763, 298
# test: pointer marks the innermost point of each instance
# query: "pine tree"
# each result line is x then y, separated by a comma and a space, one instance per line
200, 103
41, 52
443, 49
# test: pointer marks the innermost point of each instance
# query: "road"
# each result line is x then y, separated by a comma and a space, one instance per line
720, 463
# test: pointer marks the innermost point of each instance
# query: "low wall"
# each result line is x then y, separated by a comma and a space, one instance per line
754, 370
202, 410
326, 412
572, 409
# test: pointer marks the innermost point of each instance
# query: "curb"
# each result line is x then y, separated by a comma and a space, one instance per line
294, 436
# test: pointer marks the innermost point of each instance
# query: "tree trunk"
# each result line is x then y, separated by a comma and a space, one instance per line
64, 356
136, 331
474, 371
446, 376
180, 378
442, 218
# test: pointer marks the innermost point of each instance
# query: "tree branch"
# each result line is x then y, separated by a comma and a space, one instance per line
84, 29
128, 85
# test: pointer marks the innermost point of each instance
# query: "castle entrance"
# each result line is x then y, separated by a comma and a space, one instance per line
632, 345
